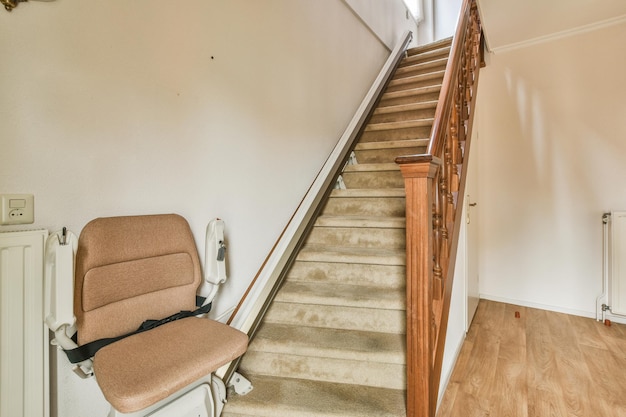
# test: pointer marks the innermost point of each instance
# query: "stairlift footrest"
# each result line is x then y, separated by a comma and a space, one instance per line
240, 384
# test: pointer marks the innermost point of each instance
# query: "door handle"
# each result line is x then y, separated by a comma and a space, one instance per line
467, 216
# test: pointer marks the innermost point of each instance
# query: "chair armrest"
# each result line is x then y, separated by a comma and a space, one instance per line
59, 293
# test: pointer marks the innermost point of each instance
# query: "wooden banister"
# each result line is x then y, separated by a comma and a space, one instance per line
435, 184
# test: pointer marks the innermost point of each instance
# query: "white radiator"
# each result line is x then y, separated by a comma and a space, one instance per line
617, 263
23, 337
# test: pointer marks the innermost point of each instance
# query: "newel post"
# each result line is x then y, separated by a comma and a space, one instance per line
419, 174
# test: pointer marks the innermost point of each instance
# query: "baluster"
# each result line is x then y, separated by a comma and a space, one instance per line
437, 236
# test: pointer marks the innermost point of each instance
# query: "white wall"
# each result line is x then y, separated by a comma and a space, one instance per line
553, 146
455, 334
388, 19
440, 19
446, 18
466, 264
205, 108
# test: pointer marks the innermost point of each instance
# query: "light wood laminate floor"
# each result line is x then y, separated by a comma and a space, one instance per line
542, 364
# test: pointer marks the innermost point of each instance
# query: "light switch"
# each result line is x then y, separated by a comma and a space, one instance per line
17, 209
17, 203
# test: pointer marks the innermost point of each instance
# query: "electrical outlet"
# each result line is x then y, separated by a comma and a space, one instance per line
17, 209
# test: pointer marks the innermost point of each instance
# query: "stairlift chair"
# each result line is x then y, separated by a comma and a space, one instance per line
129, 270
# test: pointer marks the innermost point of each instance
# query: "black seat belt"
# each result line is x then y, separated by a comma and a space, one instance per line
88, 350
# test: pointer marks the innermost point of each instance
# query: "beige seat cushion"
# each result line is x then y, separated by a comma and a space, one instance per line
145, 368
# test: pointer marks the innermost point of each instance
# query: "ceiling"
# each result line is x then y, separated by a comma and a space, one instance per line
509, 24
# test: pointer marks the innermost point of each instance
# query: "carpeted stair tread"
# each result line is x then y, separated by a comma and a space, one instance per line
443, 43
366, 202
361, 221
428, 78
342, 295
384, 276
375, 175
388, 151
399, 112
405, 124
360, 237
391, 144
431, 104
373, 256
331, 343
426, 56
422, 67
412, 92
276, 397
345, 371
371, 167
366, 193
337, 317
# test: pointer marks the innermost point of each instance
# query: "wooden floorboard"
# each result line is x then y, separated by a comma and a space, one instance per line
540, 364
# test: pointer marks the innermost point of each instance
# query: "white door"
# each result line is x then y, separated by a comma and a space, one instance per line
471, 236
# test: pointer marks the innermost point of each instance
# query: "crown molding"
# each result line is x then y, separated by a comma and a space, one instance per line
560, 35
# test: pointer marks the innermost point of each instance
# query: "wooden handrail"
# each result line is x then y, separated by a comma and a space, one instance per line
435, 183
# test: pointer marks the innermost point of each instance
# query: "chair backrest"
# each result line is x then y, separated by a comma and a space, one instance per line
132, 269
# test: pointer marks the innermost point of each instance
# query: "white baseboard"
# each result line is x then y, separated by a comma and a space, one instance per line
616, 319
581, 313
522, 303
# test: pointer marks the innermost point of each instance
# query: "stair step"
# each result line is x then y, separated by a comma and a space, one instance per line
400, 144
415, 81
421, 132
380, 176
366, 202
277, 397
432, 104
337, 317
330, 343
390, 193
421, 68
373, 179
343, 371
372, 168
426, 56
388, 151
360, 296
402, 112
375, 256
386, 276
443, 43
363, 237
413, 95
405, 124
412, 92
356, 221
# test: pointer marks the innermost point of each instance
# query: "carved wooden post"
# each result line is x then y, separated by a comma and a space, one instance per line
419, 176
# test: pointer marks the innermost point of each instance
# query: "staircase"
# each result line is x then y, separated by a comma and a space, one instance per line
333, 341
